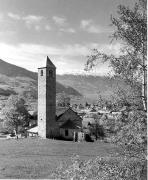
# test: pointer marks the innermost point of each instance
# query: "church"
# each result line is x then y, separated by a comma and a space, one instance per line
49, 123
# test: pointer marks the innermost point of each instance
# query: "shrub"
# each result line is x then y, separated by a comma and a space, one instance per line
102, 168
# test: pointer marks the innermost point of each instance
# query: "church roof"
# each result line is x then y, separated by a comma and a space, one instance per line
60, 110
69, 125
49, 63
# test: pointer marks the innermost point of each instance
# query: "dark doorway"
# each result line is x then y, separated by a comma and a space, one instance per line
66, 132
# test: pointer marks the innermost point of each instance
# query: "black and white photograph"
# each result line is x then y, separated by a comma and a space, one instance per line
73, 89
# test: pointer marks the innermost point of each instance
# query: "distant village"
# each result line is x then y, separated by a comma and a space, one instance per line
91, 118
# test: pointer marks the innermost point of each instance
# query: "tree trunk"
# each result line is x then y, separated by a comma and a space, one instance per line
144, 86
16, 130
144, 90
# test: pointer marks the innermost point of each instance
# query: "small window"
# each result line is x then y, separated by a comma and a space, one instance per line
41, 72
66, 132
50, 73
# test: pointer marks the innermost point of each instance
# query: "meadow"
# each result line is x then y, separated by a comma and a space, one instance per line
37, 158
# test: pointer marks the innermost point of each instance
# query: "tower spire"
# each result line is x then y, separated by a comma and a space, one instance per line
49, 63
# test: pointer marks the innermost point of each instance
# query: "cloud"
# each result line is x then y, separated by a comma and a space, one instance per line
30, 19
60, 21
90, 27
107, 48
86, 23
1, 17
37, 27
33, 21
47, 27
67, 58
7, 33
29, 50
14, 16
68, 30
32, 56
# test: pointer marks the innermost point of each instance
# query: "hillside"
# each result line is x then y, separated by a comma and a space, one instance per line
11, 70
14, 79
91, 86
17, 80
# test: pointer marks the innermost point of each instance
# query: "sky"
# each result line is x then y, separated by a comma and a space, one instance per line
64, 30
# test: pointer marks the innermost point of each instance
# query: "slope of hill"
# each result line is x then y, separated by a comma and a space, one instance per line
19, 80
11, 70
91, 86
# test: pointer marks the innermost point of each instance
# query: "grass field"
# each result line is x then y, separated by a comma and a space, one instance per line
37, 158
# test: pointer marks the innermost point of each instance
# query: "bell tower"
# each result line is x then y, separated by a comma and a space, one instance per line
47, 100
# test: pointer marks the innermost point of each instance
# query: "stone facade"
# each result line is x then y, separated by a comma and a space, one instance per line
47, 100
68, 133
70, 123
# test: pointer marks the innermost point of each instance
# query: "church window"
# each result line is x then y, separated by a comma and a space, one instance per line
66, 132
41, 72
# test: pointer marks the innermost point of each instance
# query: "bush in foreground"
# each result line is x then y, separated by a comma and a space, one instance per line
102, 168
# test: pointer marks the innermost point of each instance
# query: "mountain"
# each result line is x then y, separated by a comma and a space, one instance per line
92, 86
14, 80
17, 80
11, 70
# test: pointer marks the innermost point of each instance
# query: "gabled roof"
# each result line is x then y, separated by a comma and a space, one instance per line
60, 110
68, 109
69, 125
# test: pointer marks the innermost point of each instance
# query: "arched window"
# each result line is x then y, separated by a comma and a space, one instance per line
50, 73
41, 72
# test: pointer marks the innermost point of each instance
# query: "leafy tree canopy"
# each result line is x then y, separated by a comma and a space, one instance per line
130, 65
15, 113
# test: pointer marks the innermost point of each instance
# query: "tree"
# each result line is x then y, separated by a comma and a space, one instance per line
101, 101
86, 104
132, 132
15, 113
130, 65
95, 128
126, 97
131, 30
63, 100
131, 129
